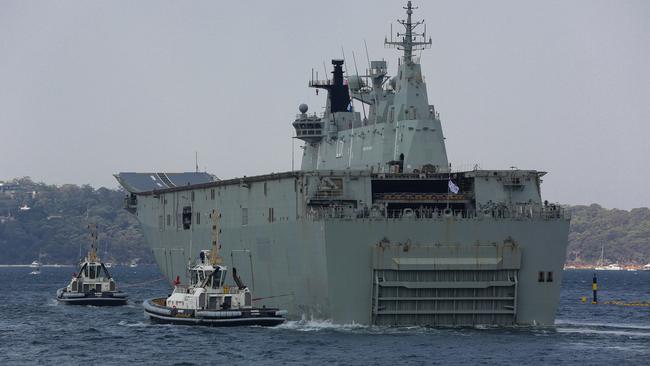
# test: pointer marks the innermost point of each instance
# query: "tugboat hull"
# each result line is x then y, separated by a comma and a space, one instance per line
91, 298
161, 314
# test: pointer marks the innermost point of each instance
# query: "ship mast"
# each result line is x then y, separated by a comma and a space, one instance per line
411, 40
92, 254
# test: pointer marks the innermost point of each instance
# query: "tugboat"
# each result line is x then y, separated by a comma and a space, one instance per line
93, 285
207, 300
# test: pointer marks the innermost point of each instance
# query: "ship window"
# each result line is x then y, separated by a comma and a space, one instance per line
212, 194
192, 195
92, 272
198, 218
244, 216
160, 222
540, 276
187, 217
271, 218
549, 276
169, 220
86, 271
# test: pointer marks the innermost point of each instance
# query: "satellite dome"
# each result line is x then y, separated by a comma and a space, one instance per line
303, 108
356, 82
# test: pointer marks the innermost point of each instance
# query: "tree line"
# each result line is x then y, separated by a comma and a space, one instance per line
51, 221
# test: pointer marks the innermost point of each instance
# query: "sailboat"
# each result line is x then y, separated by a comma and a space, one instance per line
601, 263
109, 263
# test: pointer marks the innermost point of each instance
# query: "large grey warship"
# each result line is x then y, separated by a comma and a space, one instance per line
376, 227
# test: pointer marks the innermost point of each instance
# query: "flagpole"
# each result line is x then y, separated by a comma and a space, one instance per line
448, 180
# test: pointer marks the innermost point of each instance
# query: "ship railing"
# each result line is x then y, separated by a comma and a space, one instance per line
518, 212
309, 116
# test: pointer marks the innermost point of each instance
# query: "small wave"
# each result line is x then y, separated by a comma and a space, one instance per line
52, 302
136, 324
312, 325
604, 332
564, 323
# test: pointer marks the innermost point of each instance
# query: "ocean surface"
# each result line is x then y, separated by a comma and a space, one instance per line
35, 329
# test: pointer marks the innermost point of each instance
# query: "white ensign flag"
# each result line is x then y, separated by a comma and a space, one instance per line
453, 187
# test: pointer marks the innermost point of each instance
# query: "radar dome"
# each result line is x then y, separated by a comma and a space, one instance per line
356, 82
303, 108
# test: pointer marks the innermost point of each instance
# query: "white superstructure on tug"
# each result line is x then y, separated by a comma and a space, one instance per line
93, 285
207, 289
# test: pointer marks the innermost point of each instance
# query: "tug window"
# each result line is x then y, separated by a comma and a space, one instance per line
92, 272
216, 278
201, 276
549, 276
540, 277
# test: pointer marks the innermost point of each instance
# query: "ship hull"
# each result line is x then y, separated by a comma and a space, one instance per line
266, 317
329, 268
91, 299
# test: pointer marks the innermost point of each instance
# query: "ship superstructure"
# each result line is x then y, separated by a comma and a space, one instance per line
375, 228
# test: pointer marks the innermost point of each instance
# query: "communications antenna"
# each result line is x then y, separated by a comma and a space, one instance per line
410, 40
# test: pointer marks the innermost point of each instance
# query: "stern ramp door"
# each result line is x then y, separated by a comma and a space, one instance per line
445, 285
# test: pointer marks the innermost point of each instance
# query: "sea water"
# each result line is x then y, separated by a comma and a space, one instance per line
35, 328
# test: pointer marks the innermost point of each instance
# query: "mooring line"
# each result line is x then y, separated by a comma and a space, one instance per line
142, 283
271, 297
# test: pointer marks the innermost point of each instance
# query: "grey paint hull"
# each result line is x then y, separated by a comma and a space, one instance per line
325, 268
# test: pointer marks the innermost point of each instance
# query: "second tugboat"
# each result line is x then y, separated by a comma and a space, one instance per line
93, 285
207, 300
